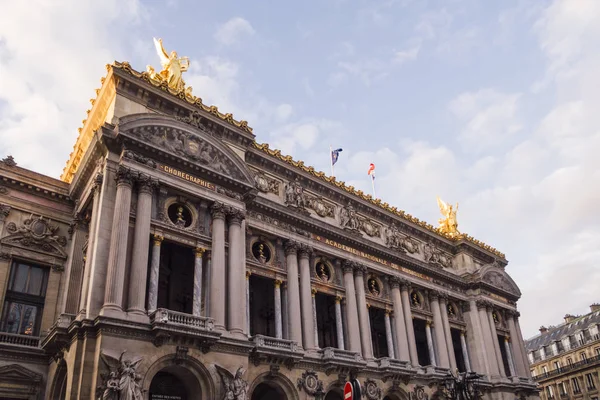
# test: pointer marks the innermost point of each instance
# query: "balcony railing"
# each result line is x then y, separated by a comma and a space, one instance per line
262, 341
570, 367
19, 340
170, 317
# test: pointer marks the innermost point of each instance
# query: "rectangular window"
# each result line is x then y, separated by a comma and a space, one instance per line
569, 361
575, 384
583, 356
597, 350
550, 392
544, 369
24, 301
556, 365
589, 378
563, 388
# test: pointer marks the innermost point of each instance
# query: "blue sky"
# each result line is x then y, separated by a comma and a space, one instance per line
491, 104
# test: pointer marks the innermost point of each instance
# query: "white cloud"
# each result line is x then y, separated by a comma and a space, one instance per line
403, 56
233, 31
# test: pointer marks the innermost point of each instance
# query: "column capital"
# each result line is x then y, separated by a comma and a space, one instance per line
347, 266
97, 183
517, 314
359, 269
291, 247
338, 299
510, 313
481, 304
405, 284
125, 176
387, 312
313, 292
157, 239
199, 252
507, 339
394, 281
434, 295
277, 283
444, 297
428, 323
218, 210
145, 183
235, 216
305, 251
248, 273
463, 332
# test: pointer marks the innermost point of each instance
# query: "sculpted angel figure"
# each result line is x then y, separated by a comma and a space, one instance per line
173, 67
122, 382
236, 388
348, 218
448, 224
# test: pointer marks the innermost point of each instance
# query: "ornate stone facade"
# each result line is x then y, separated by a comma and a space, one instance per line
176, 237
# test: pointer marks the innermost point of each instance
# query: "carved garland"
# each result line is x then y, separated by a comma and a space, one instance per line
37, 233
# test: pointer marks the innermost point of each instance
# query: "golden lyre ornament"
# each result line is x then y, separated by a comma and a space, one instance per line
172, 68
448, 224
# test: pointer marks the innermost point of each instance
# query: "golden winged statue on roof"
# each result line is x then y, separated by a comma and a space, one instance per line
172, 67
448, 224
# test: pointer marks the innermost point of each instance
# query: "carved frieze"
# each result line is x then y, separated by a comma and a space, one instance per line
139, 158
277, 223
372, 391
294, 195
418, 393
3, 190
349, 218
369, 227
310, 383
37, 233
400, 242
435, 256
266, 184
188, 146
320, 206
4, 211
497, 279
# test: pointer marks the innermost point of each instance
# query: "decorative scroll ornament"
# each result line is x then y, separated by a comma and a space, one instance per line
122, 382
371, 390
265, 184
37, 233
349, 219
448, 224
368, 227
310, 383
172, 68
418, 393
235, 387
322, 208
294, 195
435, 256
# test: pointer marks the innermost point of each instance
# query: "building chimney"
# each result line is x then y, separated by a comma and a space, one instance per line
569, 318
543, 329
595, 307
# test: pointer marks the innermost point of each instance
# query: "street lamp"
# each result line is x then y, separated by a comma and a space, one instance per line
462, 386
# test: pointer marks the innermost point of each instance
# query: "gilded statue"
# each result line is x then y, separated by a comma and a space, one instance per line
173, 68
448, 224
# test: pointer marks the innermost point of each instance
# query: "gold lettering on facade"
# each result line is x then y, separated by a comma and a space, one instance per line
495, 296
186, 176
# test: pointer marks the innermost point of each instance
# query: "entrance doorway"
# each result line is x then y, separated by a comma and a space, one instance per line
165, 385
264, 391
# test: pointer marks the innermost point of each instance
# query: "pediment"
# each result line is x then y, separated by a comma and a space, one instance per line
18, 373
185, 140
500, 280
36, 233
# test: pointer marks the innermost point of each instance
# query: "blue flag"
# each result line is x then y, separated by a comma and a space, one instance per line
335, 154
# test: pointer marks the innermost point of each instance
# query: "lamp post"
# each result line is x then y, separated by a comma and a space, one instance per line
462, 386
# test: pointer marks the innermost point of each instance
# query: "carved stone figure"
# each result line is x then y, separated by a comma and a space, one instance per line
498, 280
122, 382
235, 387
374, 287
173, 67
37, 233
322, 208
9, 161
448, 224
433, 255
415, 299
393, 238
349, 218
180, 222
323, 272
294, 195
411, 245
368, 227
265, 184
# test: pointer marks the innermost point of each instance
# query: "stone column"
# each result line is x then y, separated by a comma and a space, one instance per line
197, 302
440, 338
518, 356
308, 328
430, 343
154, 274
521, 343
208, 279
351, 308
511, 365
476, 339
117, 256
139, 254
488, 345
217, 268
388, 334
313, 293
293, 293
248, 274
76, 265
495, 342
339, 328
363, 312
278, 323
236, 320
410, 331
284, 306
447, 332
465, 353
394, 335
403, 352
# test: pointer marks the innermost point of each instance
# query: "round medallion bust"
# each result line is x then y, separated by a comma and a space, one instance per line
179, 215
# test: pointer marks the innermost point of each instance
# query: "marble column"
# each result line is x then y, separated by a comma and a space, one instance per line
197, 301
236, 321
465, 352
410, 331
495, 342
278, 323
308, 327
488, 345
363, 312
75, 268
440, 338
507, 349
217, 268
521, 343
339, 328
447, 332
403, 352
313, 293
208, 272
394, 335
141, 241
354, 343
154, 274
284, 306
248, 274
430, 343
476, 339
518, 356
117, 256
293, 292
388, 334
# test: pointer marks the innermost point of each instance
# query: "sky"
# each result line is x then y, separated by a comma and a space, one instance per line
495, 105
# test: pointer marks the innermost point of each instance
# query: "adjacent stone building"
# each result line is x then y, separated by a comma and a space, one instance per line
178, 258
565, 359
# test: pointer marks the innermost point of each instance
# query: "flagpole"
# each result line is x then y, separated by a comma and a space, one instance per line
331, 160
373, 185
